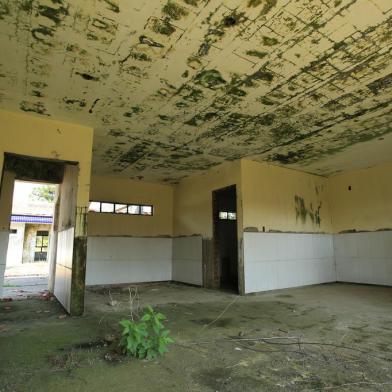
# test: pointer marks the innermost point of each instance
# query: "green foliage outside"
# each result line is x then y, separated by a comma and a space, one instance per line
44, 193
147, 338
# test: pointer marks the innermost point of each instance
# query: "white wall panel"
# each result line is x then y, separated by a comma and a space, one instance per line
4, 237
115, 260
187, 266
364, 257
281, 260
62, 286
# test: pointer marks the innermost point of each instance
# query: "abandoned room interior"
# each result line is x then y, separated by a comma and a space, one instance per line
207, 191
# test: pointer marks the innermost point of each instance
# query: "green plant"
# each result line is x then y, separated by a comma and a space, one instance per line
147, 338
43, 193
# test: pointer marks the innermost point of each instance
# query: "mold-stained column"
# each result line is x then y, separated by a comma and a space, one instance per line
79, 262
71, 245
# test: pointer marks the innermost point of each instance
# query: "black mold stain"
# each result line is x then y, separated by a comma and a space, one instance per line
268, 5
204, 48
138, 56
113, 6
174, 10
134, 110
135, 153
201, 118
189, 94
163, 26
37, 93
41, 34
93, 105
290, 157
37, 107
4, 9
269, 41
105, 25
217, 31
261, 74
302, 212
56, 15
211, 79
283, 132
194, 3
380, 84
116, 133
256, 53
165, 118
80, 103
150, 42
39, 85
266, 101
26, 5
87, 76
230, 20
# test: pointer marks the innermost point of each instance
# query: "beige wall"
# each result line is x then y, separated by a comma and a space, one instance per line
130, 191
283, 199
193, 199
368, 206
44, 138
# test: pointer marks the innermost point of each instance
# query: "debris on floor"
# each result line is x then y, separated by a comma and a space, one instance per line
338, 338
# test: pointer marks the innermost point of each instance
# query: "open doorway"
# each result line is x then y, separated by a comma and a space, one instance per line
225, 237
31, 223
66, 246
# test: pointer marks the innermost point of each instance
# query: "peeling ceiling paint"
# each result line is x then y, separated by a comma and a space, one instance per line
175, 87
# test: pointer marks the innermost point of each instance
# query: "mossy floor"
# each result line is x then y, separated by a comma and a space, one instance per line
42, 352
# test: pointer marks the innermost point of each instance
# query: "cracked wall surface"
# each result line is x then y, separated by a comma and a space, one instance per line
175, 87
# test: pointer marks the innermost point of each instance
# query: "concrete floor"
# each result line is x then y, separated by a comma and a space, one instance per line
25, 280
330, 337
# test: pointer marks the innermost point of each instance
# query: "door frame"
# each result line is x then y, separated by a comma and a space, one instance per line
215, 270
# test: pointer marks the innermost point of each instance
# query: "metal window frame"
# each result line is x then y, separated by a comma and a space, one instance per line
227, 215
121, 213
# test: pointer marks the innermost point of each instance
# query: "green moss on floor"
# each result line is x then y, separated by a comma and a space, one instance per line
42, 352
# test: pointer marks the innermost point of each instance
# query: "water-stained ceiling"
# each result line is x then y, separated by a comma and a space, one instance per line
174, 87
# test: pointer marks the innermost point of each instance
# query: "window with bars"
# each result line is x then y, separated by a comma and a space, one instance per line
41, 245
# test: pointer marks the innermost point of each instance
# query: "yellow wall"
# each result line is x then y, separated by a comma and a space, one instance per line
268, 196
130, 191
43, 138
368, 206
193, 199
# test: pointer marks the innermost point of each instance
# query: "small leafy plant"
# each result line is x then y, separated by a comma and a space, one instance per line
147, 338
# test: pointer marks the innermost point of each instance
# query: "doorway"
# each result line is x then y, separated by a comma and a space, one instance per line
67, 246
225, 237
31, 223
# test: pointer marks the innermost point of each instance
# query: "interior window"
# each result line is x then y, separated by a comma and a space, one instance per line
133, 209
121, 209
146, 210
95, 206
107, 207
222, 215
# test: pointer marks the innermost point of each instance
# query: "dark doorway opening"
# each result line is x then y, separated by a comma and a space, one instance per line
225, 237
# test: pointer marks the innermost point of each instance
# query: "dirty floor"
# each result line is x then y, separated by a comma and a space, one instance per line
335, 337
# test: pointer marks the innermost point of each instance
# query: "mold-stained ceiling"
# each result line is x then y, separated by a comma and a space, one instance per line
174, 87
